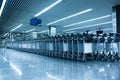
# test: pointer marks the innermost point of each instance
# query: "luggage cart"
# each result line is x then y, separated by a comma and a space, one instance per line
95, 47
47, 46
65, 46
87, 46
51, 46
40, 48
57, 46
80, 47
102, 39
60, 44
117, 56
70, 46
109, 47
75, 47
112, 48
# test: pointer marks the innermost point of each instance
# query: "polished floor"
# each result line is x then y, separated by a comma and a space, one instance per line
16, 65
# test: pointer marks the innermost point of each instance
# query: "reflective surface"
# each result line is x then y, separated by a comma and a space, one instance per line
16, 65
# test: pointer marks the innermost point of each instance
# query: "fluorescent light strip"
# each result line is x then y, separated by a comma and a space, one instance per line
16, 27
2, 7
70, 32
30, 30
16, 69
43, 31
103, 29
82, 12
47, 8
6, 34
89, 26
108, 29
102, 17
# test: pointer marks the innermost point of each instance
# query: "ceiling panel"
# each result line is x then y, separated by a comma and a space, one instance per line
21, 11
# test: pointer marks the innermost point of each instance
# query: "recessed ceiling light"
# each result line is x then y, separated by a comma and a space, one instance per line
47, 8
2, 7
109, 22
16, 27
70, 16
43, 31
30, 30
98, 18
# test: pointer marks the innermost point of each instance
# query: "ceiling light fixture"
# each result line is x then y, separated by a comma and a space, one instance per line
108, 29
2, 7
98, 18
6, 34
30, 30
82, 12
109, 22
47, 8
43, 31
16, 27
71, 32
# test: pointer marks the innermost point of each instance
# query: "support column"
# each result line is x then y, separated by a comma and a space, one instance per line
116, 18
52, 30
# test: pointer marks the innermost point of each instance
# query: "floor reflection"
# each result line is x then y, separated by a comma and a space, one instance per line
16, 65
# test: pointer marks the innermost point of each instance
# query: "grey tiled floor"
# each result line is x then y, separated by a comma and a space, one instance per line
16, 65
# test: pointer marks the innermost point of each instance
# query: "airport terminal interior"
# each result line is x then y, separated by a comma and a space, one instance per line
59, 39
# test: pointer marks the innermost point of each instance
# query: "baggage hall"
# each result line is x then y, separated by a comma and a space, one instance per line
59, 40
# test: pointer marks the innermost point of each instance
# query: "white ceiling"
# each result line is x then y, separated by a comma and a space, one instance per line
18, 12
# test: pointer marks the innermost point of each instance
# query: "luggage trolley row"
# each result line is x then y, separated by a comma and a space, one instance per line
85, 46
81, 47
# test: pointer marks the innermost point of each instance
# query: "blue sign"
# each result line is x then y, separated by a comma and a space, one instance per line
35, 22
